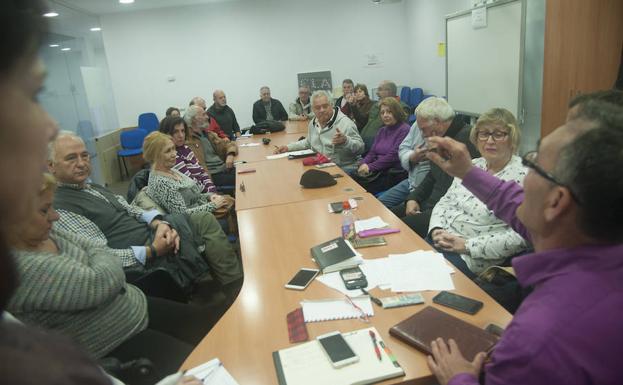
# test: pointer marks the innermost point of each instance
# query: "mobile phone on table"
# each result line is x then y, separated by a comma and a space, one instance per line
458, 302
354, 278
302, 279
337, 349
368, 242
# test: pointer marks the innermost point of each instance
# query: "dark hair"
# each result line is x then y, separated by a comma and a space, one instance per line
600, 112
362, 87
390, 86
348, 81
171, 109
167, 125
21, 28
591, 167
395, 107
610, 96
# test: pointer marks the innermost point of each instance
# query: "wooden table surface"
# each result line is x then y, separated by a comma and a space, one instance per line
259, 153
275, 243
297, 127
276, 182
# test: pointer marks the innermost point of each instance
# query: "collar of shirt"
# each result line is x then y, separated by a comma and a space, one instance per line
532, 269
74, 186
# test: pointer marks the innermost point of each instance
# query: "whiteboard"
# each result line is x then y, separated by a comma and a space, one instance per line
483, 66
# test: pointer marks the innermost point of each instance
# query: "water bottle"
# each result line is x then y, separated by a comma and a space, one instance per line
348, 222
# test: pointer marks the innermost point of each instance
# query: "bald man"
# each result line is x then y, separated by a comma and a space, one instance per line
224, 115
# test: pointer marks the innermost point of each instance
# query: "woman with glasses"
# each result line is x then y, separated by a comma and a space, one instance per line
461, 226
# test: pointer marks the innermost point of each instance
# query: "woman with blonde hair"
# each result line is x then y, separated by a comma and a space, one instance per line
461, 226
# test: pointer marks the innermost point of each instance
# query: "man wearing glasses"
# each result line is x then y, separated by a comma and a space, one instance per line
568, 330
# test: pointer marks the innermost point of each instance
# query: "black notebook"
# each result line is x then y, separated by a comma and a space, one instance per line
335, 255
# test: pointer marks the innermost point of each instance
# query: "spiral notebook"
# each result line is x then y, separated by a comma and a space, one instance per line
334, 309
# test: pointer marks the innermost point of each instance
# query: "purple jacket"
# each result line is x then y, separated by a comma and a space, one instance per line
384, 152
568, 330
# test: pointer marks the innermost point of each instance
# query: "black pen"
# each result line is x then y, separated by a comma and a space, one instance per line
373, 299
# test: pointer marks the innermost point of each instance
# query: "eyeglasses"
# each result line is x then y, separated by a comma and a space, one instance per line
496, 135
529, 160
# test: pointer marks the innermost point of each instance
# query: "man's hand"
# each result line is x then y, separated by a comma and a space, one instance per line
189, 380
281, 149
448, 242
350, 98
363, 170
451, 156
418, 155
338, 138
412, 208
229, 162
162, 244
447, 361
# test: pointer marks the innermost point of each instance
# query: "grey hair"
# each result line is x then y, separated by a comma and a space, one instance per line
391, 87
190, 114
61, 134
319, 93
264, 88
194, 101
435, 108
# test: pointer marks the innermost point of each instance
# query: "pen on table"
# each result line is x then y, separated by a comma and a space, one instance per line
376, 347
391, 355
372, 298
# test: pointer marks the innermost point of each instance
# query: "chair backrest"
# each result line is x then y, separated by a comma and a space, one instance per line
148, 121
405, 96
417, 95
132, 139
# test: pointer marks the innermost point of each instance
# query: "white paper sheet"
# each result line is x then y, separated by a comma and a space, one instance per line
212, 372
248, 145
369, 224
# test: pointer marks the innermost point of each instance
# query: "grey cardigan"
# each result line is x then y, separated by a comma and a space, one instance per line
81, 293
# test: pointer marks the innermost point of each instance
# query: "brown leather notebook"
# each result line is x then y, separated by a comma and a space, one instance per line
423, 327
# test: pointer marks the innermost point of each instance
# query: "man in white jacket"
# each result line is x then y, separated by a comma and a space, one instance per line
330, 133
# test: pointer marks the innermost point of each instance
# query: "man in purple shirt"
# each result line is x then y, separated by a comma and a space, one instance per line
568, 330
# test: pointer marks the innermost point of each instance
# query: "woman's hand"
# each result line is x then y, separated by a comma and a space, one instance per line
363, 170
229, 162
448, 242
218, 200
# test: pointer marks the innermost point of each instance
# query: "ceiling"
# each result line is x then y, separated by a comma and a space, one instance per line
100, 7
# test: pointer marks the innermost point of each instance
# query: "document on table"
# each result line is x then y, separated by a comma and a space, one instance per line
212, 373
418, 271
248, 145
369, 224
415, 271
334, 309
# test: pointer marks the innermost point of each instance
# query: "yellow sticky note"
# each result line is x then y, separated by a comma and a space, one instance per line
441, 49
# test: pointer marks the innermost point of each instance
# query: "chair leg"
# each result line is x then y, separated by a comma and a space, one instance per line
120, 170
126, 168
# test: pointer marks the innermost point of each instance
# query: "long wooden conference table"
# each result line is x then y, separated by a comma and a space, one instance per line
278, 225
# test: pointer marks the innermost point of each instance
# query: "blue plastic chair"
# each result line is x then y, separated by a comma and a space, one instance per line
148, 122
405, 96
416, 97
131, 145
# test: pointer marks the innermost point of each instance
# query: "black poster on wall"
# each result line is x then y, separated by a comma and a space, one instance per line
316, 80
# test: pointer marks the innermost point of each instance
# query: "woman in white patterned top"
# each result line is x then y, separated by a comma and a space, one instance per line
461, 226
169, 188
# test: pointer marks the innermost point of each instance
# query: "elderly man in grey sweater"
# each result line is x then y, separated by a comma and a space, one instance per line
330, 133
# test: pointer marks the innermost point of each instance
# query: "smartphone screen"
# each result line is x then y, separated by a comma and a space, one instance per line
302, 278
336, 347
458, 302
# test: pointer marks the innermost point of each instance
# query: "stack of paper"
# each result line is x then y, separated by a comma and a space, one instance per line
415, 271
334, 309
248, 144
295, 153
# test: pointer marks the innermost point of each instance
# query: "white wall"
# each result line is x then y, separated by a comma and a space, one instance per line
427, 28
243, 45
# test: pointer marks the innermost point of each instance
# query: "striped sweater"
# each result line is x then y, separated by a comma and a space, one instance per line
80, 293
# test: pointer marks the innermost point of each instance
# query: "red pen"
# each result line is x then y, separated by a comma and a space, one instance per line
376, 347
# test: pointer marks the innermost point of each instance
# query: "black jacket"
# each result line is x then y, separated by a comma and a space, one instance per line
276, 108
